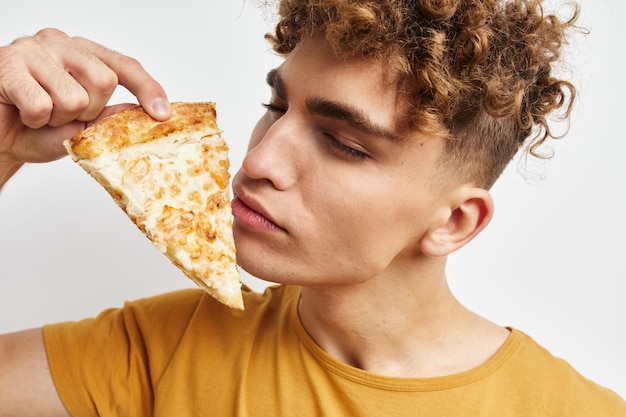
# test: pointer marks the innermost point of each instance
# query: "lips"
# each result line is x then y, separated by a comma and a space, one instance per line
250, 213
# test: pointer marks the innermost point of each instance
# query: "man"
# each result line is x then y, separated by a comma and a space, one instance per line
387, 124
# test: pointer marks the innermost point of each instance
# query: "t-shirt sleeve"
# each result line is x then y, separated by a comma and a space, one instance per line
109, 365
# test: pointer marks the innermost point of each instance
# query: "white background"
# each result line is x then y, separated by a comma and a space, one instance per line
552, 262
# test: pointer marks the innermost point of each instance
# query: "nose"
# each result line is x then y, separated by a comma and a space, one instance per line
273, 154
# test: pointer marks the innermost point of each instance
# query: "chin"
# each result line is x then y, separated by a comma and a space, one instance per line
260, 266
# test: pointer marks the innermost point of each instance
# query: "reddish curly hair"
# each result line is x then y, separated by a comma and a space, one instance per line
478, 72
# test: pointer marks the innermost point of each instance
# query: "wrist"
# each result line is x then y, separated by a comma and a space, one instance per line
7, 170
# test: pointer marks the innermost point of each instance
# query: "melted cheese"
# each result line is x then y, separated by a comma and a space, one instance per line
175, 189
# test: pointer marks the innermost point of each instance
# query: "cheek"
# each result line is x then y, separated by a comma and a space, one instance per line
368, 221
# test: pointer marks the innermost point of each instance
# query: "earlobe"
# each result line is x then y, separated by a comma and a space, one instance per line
460, 223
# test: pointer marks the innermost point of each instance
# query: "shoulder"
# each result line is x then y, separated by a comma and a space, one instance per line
192, 313
270, 306
178, 314
186, 301
556, 385
195, 304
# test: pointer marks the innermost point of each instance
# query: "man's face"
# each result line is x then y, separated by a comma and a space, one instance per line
334, 188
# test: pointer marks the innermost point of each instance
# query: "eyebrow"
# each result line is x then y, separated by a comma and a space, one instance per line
334, 110
275, 81
352, 116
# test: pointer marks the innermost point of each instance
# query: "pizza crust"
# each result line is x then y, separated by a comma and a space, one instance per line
172, 180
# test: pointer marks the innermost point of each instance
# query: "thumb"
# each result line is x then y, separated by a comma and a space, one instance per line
45, 144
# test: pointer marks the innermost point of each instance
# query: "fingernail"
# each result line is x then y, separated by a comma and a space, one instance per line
161, 108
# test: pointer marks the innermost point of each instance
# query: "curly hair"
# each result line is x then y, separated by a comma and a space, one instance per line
477, 72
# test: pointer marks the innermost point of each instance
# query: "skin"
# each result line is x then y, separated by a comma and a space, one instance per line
344, 206
354, 229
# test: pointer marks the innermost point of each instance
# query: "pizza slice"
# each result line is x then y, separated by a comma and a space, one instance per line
172, 180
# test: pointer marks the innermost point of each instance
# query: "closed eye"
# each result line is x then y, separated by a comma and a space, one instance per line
335, 145
343, 149
273, 108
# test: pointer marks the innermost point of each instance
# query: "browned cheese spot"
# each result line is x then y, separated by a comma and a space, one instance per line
215, 201
137, 171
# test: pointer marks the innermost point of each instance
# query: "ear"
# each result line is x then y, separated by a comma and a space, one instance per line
469, 212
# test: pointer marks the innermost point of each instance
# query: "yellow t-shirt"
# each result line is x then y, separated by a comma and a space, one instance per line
184, 354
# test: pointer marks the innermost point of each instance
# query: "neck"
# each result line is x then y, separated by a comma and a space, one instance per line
406, 326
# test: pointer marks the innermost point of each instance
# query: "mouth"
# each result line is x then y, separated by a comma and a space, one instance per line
250, 213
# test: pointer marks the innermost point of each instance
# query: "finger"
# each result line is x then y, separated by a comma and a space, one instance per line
29, 81
69, 97
18, 87
84, 83
96, 78
31, 100
135, 78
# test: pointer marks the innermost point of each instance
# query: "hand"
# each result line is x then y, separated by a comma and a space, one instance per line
52, 86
